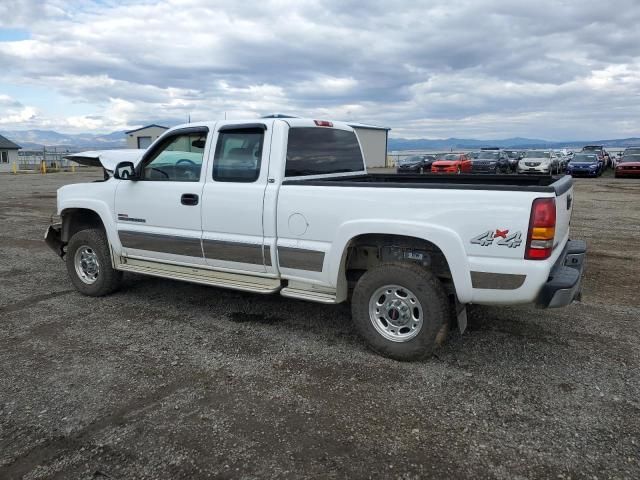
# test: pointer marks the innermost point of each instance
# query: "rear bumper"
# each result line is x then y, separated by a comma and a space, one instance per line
565, 279
53, 238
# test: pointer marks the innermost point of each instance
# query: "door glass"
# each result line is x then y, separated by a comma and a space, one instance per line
179, 159
238, 155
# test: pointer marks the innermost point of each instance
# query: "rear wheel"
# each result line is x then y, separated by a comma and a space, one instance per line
401, 310
89, 266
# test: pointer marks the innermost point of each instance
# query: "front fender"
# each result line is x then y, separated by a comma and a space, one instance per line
100, 201
447, 240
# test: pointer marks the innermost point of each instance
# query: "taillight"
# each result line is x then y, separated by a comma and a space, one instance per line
323, 123
542, 229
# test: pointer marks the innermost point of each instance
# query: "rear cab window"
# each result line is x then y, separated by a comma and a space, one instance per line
322, 151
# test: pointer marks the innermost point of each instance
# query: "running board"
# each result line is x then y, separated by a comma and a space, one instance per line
309, 295
246, 283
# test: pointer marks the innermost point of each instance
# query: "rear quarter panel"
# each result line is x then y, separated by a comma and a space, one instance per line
452, 219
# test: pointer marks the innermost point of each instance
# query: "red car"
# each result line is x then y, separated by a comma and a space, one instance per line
452, 163
629, 164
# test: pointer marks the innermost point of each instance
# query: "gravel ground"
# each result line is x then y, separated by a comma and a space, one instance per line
171, 380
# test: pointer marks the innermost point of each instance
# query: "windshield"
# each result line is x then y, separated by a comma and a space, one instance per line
538, 155
630, 157
584, 157
488, 156
449, 157
591, 148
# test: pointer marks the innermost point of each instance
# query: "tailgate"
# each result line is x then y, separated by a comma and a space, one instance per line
564, 207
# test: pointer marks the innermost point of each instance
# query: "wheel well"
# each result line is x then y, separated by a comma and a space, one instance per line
76, 219
367, 251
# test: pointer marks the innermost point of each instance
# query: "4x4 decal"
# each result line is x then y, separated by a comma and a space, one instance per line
487, 238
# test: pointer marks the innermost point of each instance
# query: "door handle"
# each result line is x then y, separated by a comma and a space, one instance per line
189, 199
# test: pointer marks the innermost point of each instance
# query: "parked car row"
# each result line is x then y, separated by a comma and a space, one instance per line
591, 161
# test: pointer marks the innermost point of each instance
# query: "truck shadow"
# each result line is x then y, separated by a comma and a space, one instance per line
266, 315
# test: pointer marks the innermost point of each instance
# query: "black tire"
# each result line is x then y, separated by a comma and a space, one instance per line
108, 279
429, 292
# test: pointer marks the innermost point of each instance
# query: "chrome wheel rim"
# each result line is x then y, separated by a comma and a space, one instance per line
396, 313
87, 264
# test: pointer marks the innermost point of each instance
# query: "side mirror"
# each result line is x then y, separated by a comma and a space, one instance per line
125, 171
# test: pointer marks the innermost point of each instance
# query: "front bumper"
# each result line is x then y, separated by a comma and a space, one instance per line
537, 169
565, 279
627, 172
484, 169
408, 169
53, 238
444, 169
583, 172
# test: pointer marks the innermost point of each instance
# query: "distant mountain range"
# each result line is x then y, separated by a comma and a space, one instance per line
37, 139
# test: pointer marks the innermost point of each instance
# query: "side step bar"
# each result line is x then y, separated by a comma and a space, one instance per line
311, 293
308, 295
246, 283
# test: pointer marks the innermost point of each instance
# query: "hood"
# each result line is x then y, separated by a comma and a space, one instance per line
583, 164
628, 164
107, 159
445, 163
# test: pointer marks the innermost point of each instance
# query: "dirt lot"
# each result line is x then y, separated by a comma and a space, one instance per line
171, 380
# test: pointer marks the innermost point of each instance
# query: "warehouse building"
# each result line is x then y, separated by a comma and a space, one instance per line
8, 154
374, 141
144, 136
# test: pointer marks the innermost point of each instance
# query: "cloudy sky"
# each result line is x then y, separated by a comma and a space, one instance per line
558, 69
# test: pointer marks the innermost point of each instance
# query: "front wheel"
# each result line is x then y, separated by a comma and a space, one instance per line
89, 264
400, 310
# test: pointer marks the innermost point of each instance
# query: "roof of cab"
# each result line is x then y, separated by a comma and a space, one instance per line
292, 122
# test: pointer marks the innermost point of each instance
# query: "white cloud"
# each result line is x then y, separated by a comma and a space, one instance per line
425, 68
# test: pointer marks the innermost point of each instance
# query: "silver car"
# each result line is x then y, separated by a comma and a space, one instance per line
540, 162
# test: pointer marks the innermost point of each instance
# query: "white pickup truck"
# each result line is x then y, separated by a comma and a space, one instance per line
286, 205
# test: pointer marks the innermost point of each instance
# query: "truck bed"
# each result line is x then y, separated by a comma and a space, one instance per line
529, 183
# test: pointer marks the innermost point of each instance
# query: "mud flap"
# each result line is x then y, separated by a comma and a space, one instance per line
461, 316
52, 238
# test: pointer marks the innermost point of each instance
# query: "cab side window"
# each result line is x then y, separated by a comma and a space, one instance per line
178, 159
238, 155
